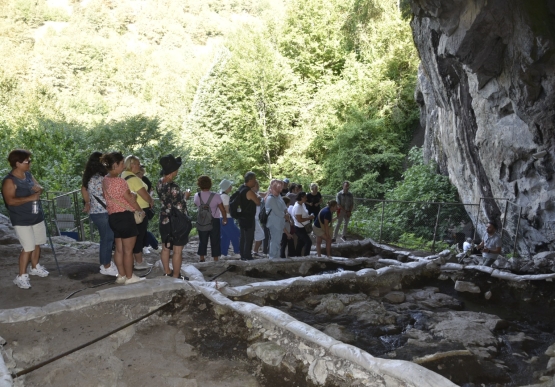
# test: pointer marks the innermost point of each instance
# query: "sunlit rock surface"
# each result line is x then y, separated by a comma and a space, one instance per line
486, 92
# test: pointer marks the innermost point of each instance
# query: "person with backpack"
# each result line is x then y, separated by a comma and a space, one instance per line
246, 201
208, 218
172, 200
276, 212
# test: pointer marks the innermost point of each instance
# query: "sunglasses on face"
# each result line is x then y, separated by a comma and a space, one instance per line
26, 161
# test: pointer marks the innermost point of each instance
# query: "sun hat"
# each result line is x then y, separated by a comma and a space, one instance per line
170, 164
225, 184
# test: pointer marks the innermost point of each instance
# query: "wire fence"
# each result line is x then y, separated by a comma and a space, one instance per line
433, 227
425, 226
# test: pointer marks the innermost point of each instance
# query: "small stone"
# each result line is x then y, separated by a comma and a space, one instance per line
550, 351
464, 286
395, 297
487, 295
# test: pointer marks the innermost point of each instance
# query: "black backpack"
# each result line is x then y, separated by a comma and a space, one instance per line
180, 228
235, 204
204, 216
263, 216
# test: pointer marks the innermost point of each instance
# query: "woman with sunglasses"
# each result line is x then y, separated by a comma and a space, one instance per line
21, 194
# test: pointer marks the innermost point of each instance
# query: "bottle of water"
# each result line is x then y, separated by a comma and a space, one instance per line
35, 207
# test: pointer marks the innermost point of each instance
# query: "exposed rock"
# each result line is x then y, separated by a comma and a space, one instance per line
330, 305
430, 298
487, 295
463, 286
269, 352
486, 89
468, 328
395, 297
339, 333
550, 351
371, 312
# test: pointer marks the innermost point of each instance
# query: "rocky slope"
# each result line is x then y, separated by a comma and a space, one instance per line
486, 91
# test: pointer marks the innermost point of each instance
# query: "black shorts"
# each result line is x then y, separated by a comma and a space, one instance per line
123, 224
165, 230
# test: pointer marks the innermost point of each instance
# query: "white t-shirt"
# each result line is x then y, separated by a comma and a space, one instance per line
300, 209
225, 202
466, 246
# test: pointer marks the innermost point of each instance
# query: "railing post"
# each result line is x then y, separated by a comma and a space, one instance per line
516, 232
477, 218
504, 223
435, 228
381, 222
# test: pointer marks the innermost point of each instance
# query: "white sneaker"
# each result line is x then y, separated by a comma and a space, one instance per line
134, 279
142, 266
39, 270
112, 270
146, 250
120, 279
22, 281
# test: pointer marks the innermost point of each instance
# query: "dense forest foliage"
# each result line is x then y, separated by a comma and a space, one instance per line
313, 90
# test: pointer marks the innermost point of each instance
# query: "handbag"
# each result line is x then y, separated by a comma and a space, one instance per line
139, 216
149, 213
308, 227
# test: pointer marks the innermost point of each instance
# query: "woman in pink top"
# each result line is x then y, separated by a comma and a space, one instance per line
216, 206
120, 204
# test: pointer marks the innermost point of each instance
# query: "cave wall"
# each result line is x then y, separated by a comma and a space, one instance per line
486, 90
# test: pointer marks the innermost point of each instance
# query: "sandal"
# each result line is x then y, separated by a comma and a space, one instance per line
170, 274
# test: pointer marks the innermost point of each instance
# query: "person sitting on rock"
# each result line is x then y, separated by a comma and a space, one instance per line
491, 245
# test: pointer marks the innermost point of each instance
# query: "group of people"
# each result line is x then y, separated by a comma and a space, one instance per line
292, 215
119, 200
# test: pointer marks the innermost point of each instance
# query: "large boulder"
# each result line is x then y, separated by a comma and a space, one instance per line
486, 89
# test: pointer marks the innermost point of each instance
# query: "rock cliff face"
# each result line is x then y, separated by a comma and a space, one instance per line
487, 96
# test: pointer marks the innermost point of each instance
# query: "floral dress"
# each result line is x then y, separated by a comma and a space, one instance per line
170, 196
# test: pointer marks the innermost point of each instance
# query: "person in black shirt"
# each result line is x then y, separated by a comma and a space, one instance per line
285, 189
249, 201
314, 200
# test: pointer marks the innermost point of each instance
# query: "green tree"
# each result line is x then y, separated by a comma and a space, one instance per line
246, 107
312, 40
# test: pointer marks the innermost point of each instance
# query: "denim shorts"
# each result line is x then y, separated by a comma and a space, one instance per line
123, 224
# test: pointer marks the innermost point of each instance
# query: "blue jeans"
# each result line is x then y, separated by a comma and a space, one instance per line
106, 236
229, 234
214, 236
275, 240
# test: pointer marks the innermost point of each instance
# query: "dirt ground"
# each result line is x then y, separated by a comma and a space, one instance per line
149, 353
79, 269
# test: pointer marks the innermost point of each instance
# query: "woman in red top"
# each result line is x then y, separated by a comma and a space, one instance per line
120, 204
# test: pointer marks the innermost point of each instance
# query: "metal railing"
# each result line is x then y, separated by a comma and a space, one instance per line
426, 226
434, 226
